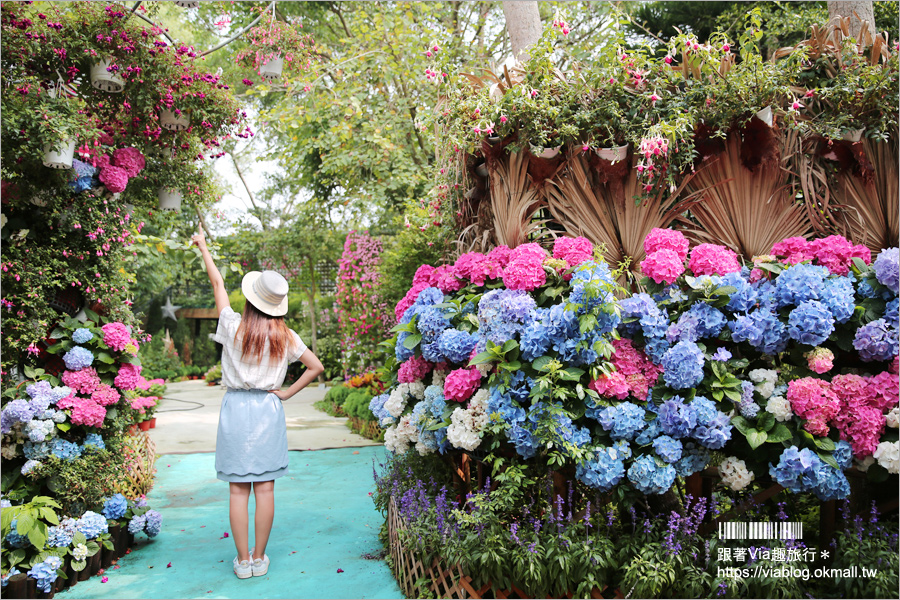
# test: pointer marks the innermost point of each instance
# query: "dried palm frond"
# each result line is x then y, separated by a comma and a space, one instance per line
825, 42
870, 207
748, 211
810, 175
612, 214
514, 201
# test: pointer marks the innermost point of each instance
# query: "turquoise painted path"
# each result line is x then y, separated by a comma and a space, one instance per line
324, 521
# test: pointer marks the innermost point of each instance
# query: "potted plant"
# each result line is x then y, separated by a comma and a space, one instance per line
104, 76
273, 43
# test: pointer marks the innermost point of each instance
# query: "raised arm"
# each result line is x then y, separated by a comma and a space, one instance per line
215, 278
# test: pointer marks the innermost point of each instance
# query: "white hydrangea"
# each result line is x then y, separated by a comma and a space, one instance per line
765, 380
38, 430
437, 378
780, 407
396, 402
893, 417
735, 474
398, 439
80, 552
416, 389
864, 464
888, 456
484, 369
8, 451
422, 449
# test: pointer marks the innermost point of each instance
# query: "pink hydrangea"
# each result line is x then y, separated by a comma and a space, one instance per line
447, 279
477, 268
817, 426
114, 178
141, 403
834, 252
711, 259
129, 159
794, 249
460, 384
852, 391
812, 399
530, 249
663, 266
886, 391
524, 273
105, 395
84, 381
413, 370
87, 412
573, 250
639, 371
500, 255
895, 365
820, 360
67, 402
116, 336
666, 239
102, 161
863, 429
409, 299
128, 377
861, 252
424, 274
612, 385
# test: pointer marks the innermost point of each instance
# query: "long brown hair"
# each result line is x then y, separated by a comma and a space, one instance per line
256, 327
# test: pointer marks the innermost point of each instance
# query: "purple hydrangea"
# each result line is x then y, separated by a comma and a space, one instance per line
891, 313
78, 358
715, 434
683, 365
18, 411
136, 524
810, 323
762, 329
876, 341
710, 320
677, 419
886, 269
748, 407
153, 524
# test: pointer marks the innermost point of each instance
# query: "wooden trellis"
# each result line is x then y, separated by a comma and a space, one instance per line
140, 458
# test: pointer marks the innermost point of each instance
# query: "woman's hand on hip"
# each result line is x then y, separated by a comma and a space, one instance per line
282, 394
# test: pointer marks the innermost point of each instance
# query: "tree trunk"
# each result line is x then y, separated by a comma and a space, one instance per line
523, 22
846, 8
313, 309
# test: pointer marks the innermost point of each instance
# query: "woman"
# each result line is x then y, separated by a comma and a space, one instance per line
251, 442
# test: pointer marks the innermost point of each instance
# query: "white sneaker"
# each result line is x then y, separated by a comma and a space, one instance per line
242, 569
260, 566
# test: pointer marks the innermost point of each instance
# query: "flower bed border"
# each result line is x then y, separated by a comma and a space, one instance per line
140, 452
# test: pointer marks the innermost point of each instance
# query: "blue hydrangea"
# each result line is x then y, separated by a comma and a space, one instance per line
810, 323
649, 433
429, 297
762, 329
667, 448
714, 435
622, 421
78, 358
91, 525
799, 283
603, 471
136, 524
876, 341
18, 411
36, 451
686, 329
431, 350
45, 573
457, 345
60, 536
676, 418
744, 298
649, 477
153, 524
523, 439
890, 313
710, 320
803, 471
65, 450
747, 406
93, 441
838, 296
13, 539
435, 401
886, 269
400, 351
535, 337
376, 407
82, 335
505, 407
865, 290
843, 454
115, 506
832, 484
683, 366
503, 313
694, 459
651, 321
4, 579
432, 322
29, 466
705, 408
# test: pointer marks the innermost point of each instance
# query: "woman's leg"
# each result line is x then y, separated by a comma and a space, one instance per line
239, 497
264, 492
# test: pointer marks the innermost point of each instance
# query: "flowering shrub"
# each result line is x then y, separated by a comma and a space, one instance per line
361, 313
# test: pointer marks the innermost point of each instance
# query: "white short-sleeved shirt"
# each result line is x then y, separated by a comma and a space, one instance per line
242, 374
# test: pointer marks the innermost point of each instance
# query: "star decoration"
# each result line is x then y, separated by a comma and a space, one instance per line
168, 309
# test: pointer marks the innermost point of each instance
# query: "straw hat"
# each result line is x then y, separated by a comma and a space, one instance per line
266, 291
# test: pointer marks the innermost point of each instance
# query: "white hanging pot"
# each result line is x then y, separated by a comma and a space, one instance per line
169, 120
104, 80
170, 199
765, 115
187, 3
482, 170
613, 155
854, 135
493, 140
495, 93
61, 156
545, 152
272, 69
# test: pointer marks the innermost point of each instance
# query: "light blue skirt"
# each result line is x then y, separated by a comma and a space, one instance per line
251, 442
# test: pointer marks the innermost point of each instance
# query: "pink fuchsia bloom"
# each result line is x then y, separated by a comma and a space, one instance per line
128, 376
87, 412
413, 370
500, 255
424, 274
247, 82
447, 279
794, 249
820, 360
129, 159
796, 105
116, 336
726, 48
711, 259
525, 273
668, 239
460, 384
503, 119
573, 250
668, 60
114, 178
84, 381
663, 266
613, 385
105, 395
812, 398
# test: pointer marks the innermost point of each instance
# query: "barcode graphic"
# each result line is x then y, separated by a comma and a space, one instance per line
761, 531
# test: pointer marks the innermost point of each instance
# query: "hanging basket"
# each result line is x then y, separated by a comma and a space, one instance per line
853, 135
170, 199
765, 115
169, 120
104, 80
272, 69
187, 3
61, 156
539, 152
613, 155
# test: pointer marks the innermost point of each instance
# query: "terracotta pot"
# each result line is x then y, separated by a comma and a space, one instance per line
144, 425
153, 423
132, 429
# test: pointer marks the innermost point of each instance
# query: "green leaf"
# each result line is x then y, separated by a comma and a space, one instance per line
779, 434
412, 341
91, 315
38, 536
105, 357
64, 426
25, 522
824, 444
57, 333
756, 438
509, 345
725, 290
828, 459
48, 515
571, 374
877, 473
541, 363
741, 424
18, 555
481, 358
765, 421
79, 565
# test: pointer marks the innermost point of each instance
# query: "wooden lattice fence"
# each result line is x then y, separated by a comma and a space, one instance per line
140, 460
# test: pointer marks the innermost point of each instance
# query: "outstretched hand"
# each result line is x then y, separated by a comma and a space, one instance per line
199, 239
